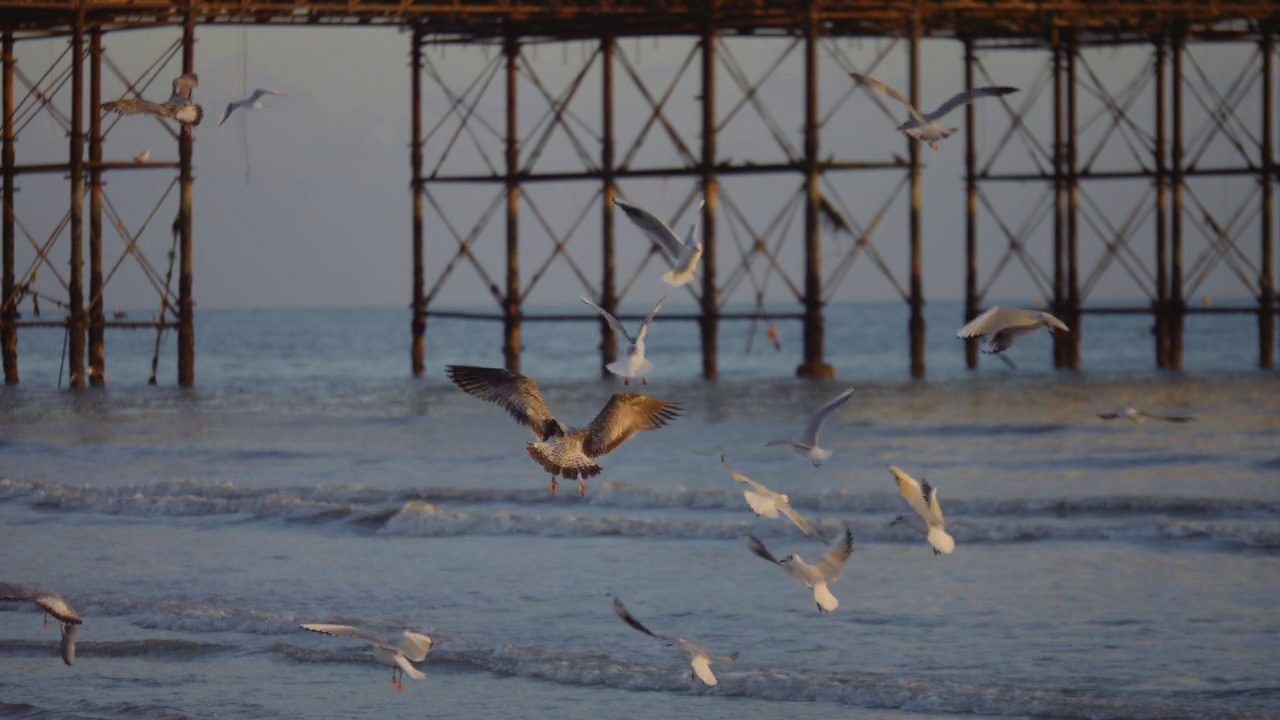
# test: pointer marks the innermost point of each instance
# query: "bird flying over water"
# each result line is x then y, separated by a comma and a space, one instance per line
699, 659
925, 126
1005, 325
928, 519
1137, 415
815, 577
807, 445
683, 255
253, 102
52, 604
767, 503
635, 363
560, 450
178, 107
413, 648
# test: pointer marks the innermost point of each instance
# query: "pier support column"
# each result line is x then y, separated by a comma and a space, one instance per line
511, 303
971, 298
8, 298
814, 365
418, 324
1177, 306
917, 287
97, 318
1266, 284
710, 320
1161, 309
1073, 318
75, 281
608, 283
186, 302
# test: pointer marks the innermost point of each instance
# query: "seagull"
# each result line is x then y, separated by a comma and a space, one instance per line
1137, 415
816, 576
926, 126
253, 102
766, 502
1005, 325
142, 156
807, 446
635, 363
683, 256
561, 450
178, 107
928, 518
52, 604
698, 658
413, 648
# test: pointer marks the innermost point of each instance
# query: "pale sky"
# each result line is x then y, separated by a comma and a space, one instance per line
326, 215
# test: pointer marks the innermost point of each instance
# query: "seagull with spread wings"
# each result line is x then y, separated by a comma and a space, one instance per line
699, 659
767, 503
925, 126
1005, 325
635, 363
816, 577
413, 648
807, 445
52, 604
1136, 415
560, 450
178, 107
683, 255
253, 102
928, 520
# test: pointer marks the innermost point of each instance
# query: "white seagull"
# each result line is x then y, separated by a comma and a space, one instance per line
413, 648
807, 445
683, 256
635, 363
178, 107
561, 450
928, 520
253, 102
766, 502
1137, 415
52, 604
925, 126
698, 658
815, 577
1005, 325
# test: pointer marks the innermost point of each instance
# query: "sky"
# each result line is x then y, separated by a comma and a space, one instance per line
307, 203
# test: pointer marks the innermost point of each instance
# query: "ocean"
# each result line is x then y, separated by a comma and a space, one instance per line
1103, 569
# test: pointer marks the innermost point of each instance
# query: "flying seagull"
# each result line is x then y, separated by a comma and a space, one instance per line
925, 126
635, 363
253, 102
1137, 415
178, 107
698, 658
1005, 325
52, 604
815, 577
560, 450
413, 648
928, 519
807, 445
683, 256
766, 502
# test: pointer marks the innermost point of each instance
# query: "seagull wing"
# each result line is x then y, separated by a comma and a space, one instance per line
257, 94
407, 667
609, 318
832, 564
644, 329
746, 480
1167, 418
630, 619
912, 492
348, 631
231, 107
930, 495
796, 519
623, 416
68, 646
182, 87
656, 230
514, 392
138, 106
760, 550
415, 646
815, 423
877, 86
52, 603
691, 241
967, 96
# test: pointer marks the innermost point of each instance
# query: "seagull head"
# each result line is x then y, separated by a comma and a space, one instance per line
898, 520
785, 500
790, 560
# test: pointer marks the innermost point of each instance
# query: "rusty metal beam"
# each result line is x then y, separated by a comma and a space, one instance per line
8, 299
1177, 306
972, 300
75, 287
916, 326
1073, 214
97, 333
710, 193
418, 324
608, 234
1266, 283
511, 299
186, 301
814, 365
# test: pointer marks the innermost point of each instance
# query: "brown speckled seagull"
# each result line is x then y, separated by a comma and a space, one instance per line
52, 604
178, 107
563, 451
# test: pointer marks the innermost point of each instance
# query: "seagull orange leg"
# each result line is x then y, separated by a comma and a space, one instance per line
644, 381
554, 485
626, 381
582, 489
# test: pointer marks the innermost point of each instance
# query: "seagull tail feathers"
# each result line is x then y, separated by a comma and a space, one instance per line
941, 541
555, 463
824, 598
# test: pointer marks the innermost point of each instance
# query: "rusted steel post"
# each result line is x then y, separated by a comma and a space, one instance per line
608, 237
418, 324
1059, 204
710, 320
186, 303
1162, 210
814, 365
1073, 318
917, 288
75, 284
511, 304
8, 300
1266, 284
1177, 306
971, 299
97, 318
